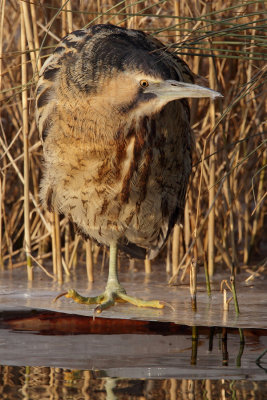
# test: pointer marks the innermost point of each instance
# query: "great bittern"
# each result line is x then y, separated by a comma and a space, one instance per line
114, 121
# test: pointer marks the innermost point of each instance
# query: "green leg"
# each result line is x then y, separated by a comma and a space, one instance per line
113, 292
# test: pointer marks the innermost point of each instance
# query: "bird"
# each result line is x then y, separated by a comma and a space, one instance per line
114, 120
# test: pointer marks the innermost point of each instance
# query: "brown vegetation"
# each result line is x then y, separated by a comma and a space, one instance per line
224, 44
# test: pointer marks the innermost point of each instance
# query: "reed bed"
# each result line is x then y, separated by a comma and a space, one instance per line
224, 42
60, 383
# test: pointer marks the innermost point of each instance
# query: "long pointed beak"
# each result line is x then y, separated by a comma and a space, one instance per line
173, 90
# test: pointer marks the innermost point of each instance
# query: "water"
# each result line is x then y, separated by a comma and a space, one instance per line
130, 353
16, 292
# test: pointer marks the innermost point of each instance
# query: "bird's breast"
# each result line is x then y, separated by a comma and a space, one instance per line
125, 186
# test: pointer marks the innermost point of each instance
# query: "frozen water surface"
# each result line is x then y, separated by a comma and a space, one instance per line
16, 291
119, 344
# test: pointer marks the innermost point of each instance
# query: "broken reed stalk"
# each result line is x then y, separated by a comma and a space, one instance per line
25, 130
232, 280
193, 284
225, 302
89, 261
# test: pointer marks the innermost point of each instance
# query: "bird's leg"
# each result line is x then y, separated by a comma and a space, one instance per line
113, 284
114, 291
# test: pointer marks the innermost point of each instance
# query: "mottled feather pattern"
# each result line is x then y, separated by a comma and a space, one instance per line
118, 176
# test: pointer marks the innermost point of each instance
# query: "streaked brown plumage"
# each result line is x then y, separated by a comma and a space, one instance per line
117, 137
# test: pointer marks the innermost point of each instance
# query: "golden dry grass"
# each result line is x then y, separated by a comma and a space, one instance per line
223, 43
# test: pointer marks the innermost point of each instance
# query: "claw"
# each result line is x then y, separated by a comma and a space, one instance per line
60, 295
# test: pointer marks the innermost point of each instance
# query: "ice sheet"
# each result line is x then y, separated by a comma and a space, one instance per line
17, 292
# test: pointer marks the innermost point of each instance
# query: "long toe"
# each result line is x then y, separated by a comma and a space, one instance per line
140, 302
72, 294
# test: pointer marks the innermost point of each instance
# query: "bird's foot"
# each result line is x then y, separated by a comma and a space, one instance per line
109, 298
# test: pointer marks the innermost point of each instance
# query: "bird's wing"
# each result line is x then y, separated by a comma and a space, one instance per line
45, 90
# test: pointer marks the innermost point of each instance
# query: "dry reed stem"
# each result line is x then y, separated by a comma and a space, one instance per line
211, 221
1, 218
42, 268
168, 256
198, 232
73, 257
89, 261
29, 35
54, 243
186, 27
193, 284
175, 247
67, 243
27, 234
207, 277
147, 266
259, 196
35, 35
58, 247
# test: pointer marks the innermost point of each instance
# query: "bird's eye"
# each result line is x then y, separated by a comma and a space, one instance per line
144, 83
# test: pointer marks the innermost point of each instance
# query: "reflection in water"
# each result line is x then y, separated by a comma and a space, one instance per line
117, 360
37, 383
194, 345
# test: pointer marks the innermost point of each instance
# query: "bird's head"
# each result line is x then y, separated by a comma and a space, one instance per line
128, 72
111, 73
139, 92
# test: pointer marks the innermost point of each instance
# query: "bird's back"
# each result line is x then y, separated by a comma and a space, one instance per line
120, 175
